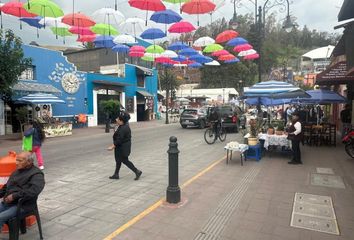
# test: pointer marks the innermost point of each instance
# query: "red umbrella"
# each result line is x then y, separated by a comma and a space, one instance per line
252, 56
137, 48
226, 57
226, 36
136, 54
181, 27
198, 7
187, 61
86, 38
16, 9
243, 47
220, 52
78, 20
162, 59
148, 5
81, 30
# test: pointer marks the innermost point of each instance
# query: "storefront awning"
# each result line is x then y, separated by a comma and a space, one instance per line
110, 83
346, 11
337, 74
144, 93
28, 87
142, 71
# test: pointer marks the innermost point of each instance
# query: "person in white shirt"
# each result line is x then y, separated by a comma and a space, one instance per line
295, 135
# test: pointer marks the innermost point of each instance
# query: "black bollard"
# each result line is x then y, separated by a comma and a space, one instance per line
108, 123
173, 193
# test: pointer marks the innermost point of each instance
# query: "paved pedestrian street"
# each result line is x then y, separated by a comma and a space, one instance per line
219, 200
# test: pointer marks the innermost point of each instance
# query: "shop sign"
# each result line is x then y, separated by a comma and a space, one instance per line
57, 130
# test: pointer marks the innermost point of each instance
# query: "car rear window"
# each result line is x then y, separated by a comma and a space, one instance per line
189, 112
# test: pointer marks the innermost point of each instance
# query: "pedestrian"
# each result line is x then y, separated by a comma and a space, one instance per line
295, 135
346, 119
38, 136
27, 182
122, 146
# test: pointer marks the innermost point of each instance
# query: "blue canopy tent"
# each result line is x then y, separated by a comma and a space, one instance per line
265, 101
322, 97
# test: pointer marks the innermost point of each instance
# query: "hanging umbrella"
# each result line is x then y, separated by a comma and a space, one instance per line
200, 58
226, 57
181, 27
120, 48
162, 59
40, 98
245, 53
176, 46
226, 36
213, 63
213, 48
165, 17
61, 31
152, 34
198, 7
108, 16
203, 41
34, 22
169, 54
187, 61
78, 20
175, 2
44, 8
322, 96
188, 52
195, 65
148, 5
220, 52
52, 22
104, 29
236, 41
137, 48
179, 58
132, 25
154, 49
124, 39
86, 38
136, 54
235, 60
104, 42
243, 47
81, 30
251, 56
16, 9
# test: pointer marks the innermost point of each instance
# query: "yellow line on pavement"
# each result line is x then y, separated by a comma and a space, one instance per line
158, 203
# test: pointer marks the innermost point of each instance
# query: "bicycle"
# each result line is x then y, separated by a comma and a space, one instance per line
210, 136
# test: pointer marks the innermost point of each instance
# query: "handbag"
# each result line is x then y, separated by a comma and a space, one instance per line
27, 143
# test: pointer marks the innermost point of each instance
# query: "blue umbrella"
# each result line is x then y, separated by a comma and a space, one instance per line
34, 22
195, 65
188, 52
235, 60
176, 46
201, 58
152, 33
180, 58
322, 96
104, 42
266, 101
236, 41
166, 17
267, 88
120, 48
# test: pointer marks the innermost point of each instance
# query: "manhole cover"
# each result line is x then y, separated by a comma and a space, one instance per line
315, 210
327, 180
313, 199
324, 170
315, 223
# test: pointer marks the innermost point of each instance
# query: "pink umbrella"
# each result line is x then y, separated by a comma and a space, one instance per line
86, 38
148, 5
181, 27
137, 48
243, 47
198, 7
226, 57
16, 9
187, 61
136, 54
220, 52
162, 59
252, 56
81, 30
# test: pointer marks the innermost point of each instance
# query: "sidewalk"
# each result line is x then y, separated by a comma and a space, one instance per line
255, 201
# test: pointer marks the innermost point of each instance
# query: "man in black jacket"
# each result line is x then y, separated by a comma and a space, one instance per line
26, 182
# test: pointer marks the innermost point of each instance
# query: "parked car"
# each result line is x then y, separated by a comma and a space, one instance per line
193, 117
233, 117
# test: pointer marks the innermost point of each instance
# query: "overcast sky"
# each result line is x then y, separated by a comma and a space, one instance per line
316, 14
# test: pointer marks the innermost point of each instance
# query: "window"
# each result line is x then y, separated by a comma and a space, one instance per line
141, 81
28, 74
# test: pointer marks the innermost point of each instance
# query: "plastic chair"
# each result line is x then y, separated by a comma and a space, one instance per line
19, 222
254, 152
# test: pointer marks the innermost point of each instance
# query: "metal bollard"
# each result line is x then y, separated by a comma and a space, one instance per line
173, 193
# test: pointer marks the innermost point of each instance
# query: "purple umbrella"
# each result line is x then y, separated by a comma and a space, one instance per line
153, 33
34, 22
120, 48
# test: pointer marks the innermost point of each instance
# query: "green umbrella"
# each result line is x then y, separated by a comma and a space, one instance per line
104, 29
61, 31
154, 49
148, 58
44, 8
213, 48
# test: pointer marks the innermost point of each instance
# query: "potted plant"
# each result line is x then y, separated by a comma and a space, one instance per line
254, 130
280, 129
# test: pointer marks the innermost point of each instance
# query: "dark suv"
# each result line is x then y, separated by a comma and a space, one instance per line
233, 117
193, 117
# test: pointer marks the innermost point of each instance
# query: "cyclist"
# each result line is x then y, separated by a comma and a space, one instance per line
215, 119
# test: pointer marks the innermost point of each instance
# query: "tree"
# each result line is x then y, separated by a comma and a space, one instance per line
112, 109
12, 62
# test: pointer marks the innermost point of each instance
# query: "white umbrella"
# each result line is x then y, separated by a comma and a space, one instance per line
124, 39
203, 41
213, 63
108, 16
169, 54
52, 22
248, 52
180, 65
133, 25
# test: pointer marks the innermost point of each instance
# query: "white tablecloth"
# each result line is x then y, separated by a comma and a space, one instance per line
274, 140
235, 146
